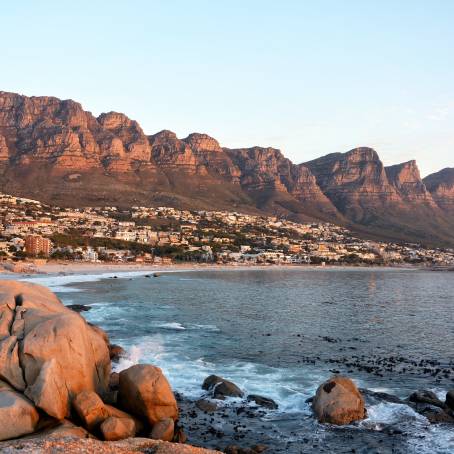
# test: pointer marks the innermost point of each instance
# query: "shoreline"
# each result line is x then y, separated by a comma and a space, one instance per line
64, 268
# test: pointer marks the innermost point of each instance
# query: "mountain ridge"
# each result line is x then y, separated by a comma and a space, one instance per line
56, 151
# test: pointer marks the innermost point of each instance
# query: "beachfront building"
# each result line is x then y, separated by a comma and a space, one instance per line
38, 245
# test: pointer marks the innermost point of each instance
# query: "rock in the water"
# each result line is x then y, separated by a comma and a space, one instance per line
163, 430
116, 352
450, 399
18, 416
221, 388
114, 428
263, 401
48, 392
338, 401
78, 307
435, 415
426, 397
144, 391
90, 409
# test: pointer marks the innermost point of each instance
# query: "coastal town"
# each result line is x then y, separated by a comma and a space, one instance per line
31, 231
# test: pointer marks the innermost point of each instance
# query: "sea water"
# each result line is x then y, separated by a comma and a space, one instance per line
281, 332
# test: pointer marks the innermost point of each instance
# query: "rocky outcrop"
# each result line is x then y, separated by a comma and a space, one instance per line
441, 187
49, 352
54, 151
202, 142
391, 203
405, 178
56, 382
338, 401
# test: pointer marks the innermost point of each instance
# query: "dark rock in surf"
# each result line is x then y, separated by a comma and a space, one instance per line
116, 352
221, 388
426, 397
79, 307
262, 401
450, 399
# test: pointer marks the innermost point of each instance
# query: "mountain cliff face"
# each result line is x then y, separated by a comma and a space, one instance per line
54, 151
441, 186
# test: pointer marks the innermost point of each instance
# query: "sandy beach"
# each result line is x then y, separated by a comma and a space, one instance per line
61, 267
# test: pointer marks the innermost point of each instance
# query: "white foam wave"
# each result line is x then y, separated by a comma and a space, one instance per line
172, 325
61, 283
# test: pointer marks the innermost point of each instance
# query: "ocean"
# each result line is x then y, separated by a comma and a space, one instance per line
280, 333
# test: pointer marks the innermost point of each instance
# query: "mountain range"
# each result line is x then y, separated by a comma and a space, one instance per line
55, 151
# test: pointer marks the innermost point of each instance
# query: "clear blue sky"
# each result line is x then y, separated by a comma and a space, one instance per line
308, 77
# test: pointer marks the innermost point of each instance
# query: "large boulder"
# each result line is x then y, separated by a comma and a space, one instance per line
47, 350
18, 416
338, 401
145, 391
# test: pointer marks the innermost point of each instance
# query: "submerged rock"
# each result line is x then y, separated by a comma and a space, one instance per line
79, 307
206, 405
338, 401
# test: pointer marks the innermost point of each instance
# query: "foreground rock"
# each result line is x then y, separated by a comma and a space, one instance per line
55, 376
338, 401
48, 351
144, 391
84, 446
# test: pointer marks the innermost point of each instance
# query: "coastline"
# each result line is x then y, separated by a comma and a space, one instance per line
61, 267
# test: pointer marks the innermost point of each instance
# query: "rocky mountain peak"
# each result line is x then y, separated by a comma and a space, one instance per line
202, 142
406, 179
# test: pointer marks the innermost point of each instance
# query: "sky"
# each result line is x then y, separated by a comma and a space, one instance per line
307, 77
